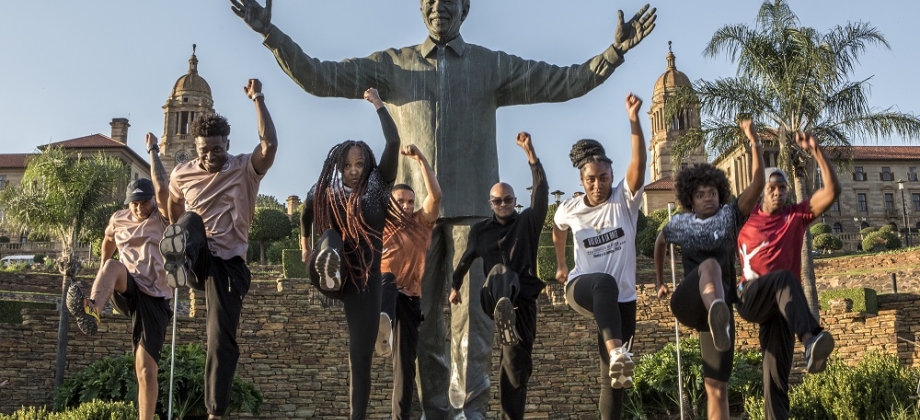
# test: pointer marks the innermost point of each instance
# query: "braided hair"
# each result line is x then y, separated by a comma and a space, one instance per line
587, 151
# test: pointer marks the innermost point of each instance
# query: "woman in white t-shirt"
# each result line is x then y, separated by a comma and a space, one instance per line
602, 284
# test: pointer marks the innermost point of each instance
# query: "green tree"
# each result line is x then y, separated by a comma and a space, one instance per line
819, 228
268, 225
63, 196
791, 78
269, 201
827, 242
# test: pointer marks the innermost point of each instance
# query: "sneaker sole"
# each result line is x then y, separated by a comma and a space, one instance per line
505, 322
384, 347
75, 298
720, 326
621, 374
327, 266
820, 351
172, 247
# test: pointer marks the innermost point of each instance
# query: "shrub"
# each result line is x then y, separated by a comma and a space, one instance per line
864, 300
868, 230
292, 264
880, 241
875, 388
113, 379
819, 228
655, 389
92, 410
40, 258
827, 242
273, 255
886, 228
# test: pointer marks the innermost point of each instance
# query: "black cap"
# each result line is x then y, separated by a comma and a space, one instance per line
140, 189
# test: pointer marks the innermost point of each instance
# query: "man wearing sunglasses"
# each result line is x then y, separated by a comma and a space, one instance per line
507, 243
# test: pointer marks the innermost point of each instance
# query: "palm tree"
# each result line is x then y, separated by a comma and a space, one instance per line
64, 197
791, 78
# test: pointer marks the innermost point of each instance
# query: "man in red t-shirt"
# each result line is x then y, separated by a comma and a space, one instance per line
770, 249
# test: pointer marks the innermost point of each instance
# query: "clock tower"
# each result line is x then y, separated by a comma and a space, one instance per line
190, 97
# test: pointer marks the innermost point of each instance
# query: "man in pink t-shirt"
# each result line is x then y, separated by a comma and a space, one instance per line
770, 249
136, 281
211, 204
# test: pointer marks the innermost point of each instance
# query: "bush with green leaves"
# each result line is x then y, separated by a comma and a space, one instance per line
655, 388
878, 387
880, 241
827, 242
91, 410
113, 379
819, 228
887, 228
868, 230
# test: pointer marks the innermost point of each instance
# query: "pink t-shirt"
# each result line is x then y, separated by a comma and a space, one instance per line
770, 243
225, 201
138, 244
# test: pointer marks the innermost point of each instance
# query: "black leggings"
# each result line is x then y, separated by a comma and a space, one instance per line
362, 312
688, 307
593, 295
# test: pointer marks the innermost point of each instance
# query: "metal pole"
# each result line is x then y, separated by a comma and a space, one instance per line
904, 212
172, 354
680, 379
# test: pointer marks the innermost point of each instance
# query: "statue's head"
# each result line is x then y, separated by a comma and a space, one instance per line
444, 17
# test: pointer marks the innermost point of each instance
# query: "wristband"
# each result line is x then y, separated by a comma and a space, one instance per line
157, 148
256, 95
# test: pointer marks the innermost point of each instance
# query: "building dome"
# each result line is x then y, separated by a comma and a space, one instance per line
671, 78
191, 82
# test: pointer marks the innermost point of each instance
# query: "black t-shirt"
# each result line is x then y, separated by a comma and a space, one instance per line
715, 237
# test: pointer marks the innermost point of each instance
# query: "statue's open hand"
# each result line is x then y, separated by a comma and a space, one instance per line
629, 34
257, 17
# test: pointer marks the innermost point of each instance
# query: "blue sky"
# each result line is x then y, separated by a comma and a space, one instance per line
70, 67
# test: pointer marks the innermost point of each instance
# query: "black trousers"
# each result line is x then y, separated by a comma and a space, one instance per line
225, 283
362, 313
517, 360
688, 307
593, 295
776, 302
406, 313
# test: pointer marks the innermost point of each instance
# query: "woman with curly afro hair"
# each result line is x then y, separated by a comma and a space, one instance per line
707, 231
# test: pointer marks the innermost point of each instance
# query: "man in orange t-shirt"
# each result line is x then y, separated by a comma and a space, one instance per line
402, 265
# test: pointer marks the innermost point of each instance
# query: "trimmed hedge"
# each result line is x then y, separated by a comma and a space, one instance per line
864, 300
546, 262
93, 410
11, 310
292, 264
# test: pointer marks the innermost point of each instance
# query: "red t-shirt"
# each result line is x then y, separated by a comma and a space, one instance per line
770, 243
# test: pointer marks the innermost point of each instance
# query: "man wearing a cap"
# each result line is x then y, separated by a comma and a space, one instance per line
770, 249
136, 281
211, 204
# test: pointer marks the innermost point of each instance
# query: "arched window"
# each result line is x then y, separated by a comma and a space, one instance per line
838, 228
863, 225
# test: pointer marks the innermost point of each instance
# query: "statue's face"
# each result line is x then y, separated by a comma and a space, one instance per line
444, 17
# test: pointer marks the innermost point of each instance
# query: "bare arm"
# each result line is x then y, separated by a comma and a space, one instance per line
635, 172
264, 154
158, 175
432, 202
823, 198
176, 207
107, 249
661, 249
751, 194
389, 159
562, 268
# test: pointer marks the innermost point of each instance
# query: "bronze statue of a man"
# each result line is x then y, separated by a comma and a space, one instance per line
443, 94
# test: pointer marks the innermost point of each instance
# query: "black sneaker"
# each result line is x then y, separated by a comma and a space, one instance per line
328, 264
817, 350
505, 322
83, 310
720, 325
172, 247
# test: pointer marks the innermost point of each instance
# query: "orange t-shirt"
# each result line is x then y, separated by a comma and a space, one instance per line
225, 201
138, 244
404, 255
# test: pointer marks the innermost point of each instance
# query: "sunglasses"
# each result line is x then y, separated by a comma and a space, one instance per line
500, 201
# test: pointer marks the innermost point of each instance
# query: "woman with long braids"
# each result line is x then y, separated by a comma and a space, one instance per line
707, 232
602, 285
349, 204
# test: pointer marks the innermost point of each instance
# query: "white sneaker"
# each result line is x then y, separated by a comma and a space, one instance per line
385, 336
621, 367
327, 264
